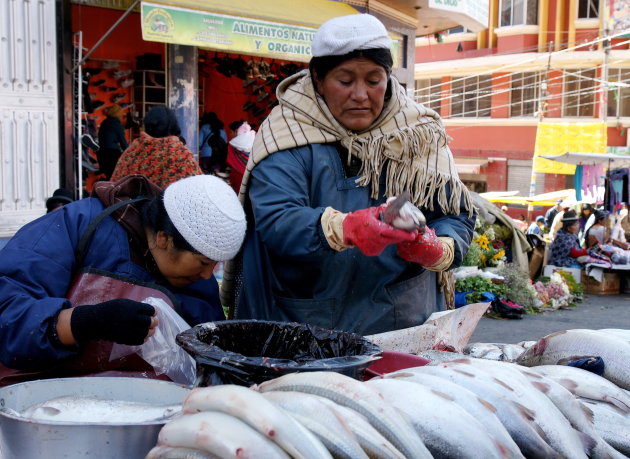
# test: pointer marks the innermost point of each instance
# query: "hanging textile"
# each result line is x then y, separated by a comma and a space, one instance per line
577, 183
592, 180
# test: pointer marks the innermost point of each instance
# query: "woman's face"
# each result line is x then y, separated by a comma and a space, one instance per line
573, 229
179, 267
354, 92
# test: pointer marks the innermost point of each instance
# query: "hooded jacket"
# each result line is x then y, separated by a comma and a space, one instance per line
38, 264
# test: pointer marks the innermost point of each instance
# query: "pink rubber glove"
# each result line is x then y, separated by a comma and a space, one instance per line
425, 250
365, 230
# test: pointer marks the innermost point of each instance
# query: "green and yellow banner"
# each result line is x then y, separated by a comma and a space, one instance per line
167, 24
239, 35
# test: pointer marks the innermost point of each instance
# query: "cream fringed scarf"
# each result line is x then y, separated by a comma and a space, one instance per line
409, 138
407, 134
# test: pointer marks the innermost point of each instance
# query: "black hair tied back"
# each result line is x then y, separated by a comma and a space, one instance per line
155, 217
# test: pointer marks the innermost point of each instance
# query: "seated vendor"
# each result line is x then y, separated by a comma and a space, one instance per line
565, 248
72, 282
598, 238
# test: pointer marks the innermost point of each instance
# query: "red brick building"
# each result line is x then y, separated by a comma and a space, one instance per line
537, 59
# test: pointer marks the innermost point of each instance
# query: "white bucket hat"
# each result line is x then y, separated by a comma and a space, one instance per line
344, 34
207, 213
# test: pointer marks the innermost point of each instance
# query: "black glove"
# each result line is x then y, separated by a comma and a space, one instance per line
121, 321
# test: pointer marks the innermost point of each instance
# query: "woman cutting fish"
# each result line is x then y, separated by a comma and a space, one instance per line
344, 138
72, 282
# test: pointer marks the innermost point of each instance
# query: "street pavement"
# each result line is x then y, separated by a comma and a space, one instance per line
594, 312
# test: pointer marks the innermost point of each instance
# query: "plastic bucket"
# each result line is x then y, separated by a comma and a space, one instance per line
247, 352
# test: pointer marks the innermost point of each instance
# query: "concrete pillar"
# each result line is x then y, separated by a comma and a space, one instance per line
182, 97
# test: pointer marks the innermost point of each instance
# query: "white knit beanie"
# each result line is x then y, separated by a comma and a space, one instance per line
207, 213
344, 34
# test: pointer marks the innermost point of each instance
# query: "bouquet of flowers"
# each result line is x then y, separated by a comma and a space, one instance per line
486, 250
554, 293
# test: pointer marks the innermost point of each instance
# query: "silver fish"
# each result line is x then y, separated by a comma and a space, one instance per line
564, 346
167, 452
483, 351
436, 416
359, 397
586, 384
515, 417
258, 412
373, 443
561, 435
611, 425
480, 409
86, 410
220, 434
320, 419
576, 412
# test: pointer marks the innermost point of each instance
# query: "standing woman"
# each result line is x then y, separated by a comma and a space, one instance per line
343, 139
112, 141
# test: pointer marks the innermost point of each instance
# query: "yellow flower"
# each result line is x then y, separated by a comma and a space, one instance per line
499, 254
483, 258
483, 241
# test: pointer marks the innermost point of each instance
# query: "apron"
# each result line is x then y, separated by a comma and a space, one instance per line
91, 286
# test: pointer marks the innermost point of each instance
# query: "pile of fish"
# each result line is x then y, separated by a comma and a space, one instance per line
464, 408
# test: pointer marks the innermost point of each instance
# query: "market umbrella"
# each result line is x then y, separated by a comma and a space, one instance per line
591, 159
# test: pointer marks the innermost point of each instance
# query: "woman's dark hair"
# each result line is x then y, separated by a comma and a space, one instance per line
155, 217
212, 120
321, 65
160, 121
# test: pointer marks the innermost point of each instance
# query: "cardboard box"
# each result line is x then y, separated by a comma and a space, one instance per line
610, 285
550, 269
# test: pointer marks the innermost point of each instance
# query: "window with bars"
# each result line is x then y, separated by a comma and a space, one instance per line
519, 12
429, 93
524, 93
579, 93
619, 92
471, 97
588, 9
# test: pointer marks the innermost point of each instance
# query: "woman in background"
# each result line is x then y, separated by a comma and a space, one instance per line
111, 140
158, 153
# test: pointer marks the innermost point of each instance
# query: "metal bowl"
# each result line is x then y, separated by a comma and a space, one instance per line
32, 439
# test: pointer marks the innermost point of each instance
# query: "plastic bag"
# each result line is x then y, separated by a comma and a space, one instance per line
161, 350
247, 352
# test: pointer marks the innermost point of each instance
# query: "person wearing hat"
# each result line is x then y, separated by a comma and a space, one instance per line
72, 283
158, 154
565, 247
59, 198
552, 212
111, 140
537, 226
344, 138
238, 153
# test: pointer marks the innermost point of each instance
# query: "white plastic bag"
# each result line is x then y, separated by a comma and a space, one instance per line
161, 351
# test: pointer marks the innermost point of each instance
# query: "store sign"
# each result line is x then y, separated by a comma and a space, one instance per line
168, 24
475, 9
